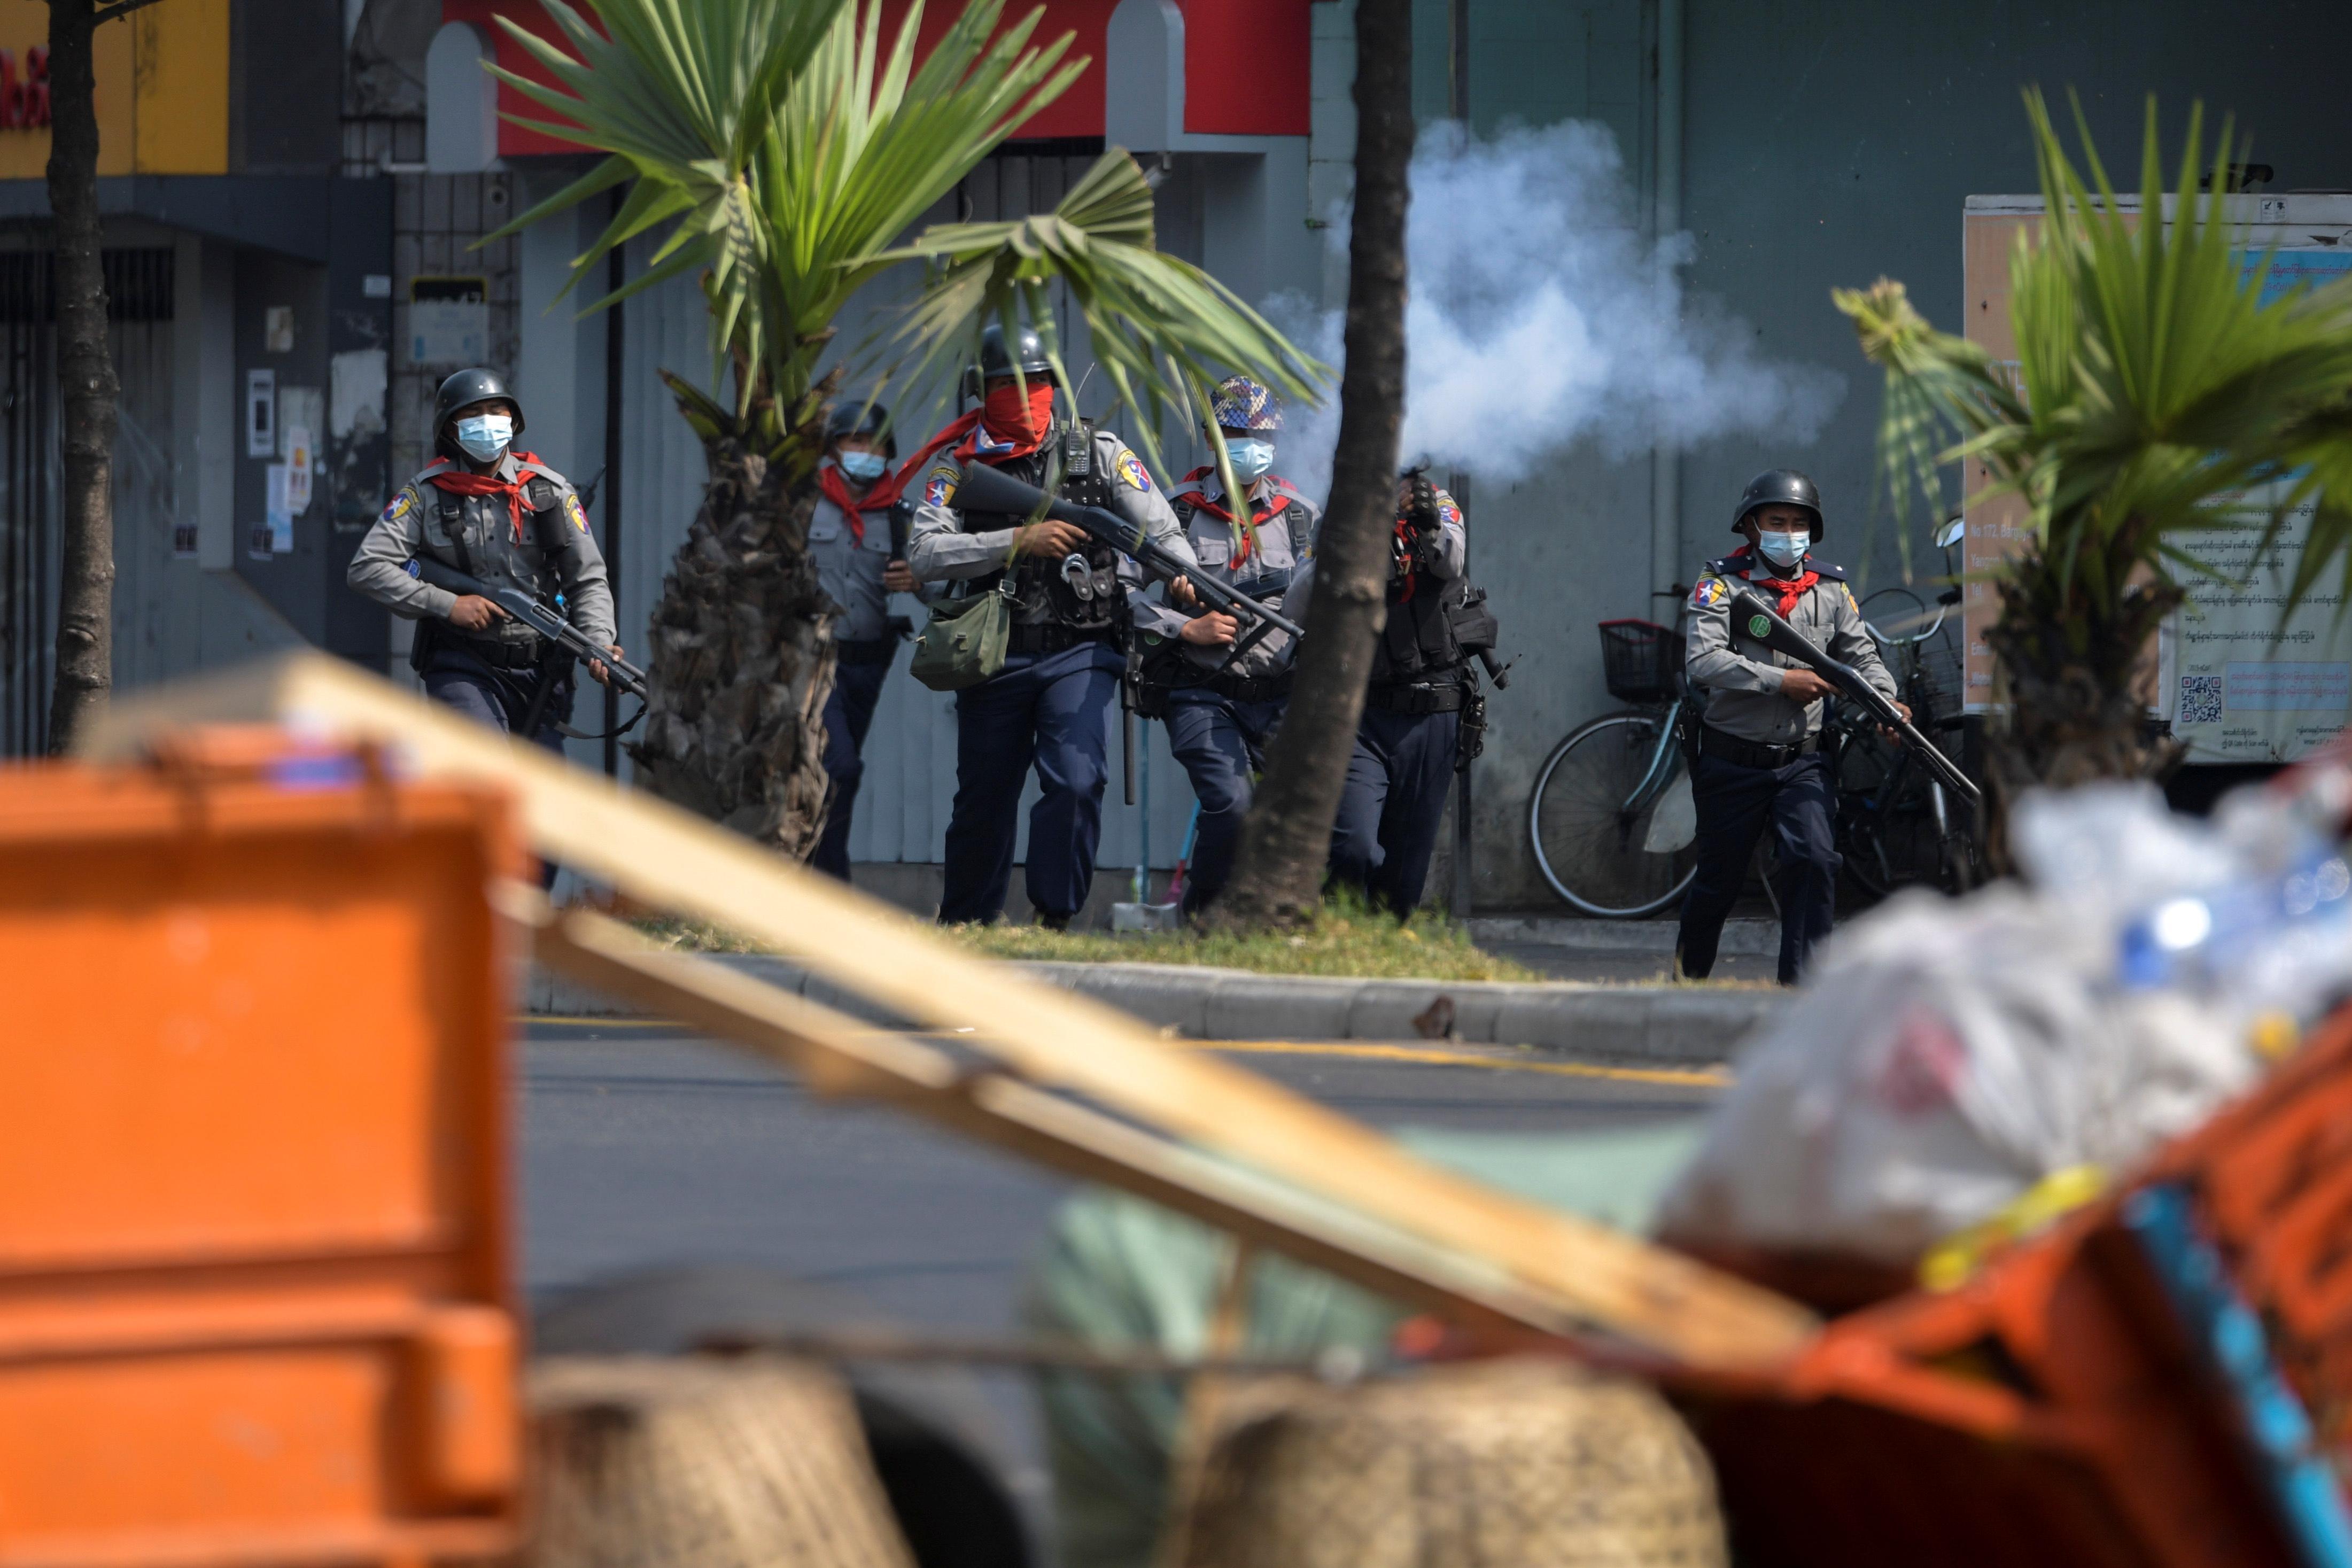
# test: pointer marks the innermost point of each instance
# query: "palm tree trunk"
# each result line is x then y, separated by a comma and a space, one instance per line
86, 379
2073, 671
1286, 841
742, 661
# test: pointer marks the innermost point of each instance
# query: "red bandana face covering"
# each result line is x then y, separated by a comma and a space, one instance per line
1024, 421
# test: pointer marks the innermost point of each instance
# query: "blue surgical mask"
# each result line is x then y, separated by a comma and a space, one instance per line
484, 435
1252, 458
1784, 549
863, 467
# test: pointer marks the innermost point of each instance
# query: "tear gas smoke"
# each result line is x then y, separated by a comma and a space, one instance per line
1539, 315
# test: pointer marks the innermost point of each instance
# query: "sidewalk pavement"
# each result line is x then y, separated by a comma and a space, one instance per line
1659, 1023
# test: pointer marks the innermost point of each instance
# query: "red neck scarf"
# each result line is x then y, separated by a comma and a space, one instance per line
877, 497
974, 439
457, 481
1245, 534
1790, 590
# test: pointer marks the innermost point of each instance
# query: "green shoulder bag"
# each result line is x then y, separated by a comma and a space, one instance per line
963, 642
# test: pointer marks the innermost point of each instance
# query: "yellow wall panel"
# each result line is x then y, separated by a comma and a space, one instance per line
162, 89
183, 87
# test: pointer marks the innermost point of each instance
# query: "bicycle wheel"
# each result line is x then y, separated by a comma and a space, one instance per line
1588, 845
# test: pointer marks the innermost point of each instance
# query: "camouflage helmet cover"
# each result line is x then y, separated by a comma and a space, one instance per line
1242, 403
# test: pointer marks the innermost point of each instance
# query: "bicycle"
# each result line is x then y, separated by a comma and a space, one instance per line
1611, 818
1896, 824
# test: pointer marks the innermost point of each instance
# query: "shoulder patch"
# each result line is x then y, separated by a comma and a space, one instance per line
575, 511
941, 488
1449, 512
1130, 468
402, 504
1709, 592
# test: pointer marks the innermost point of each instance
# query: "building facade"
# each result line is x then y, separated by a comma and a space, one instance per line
297, 250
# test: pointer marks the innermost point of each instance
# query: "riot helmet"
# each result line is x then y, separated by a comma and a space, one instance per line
468, 387
870, 421
996, 362
1780, 487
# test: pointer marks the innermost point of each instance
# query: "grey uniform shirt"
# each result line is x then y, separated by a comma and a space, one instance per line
1744, 676
479, 540
1279, 572
941, 552
850, 571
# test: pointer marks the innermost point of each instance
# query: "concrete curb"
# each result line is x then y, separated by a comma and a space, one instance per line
1744, 936
1659, 1023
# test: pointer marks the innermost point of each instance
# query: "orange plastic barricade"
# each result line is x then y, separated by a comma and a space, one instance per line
254, 1261
2163, 1379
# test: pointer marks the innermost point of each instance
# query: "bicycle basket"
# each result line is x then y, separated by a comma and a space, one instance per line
1640, 659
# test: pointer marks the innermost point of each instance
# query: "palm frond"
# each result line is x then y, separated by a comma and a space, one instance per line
1162, 327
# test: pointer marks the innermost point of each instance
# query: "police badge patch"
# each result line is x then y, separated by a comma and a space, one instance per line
1448, 514
940, 490
578, 514
1130, 469
1709, 592
398, 509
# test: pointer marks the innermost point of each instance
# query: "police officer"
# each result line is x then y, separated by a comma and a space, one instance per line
858, 536
1759, 757
1404, 756
1220, 716
502, 516
1052, 701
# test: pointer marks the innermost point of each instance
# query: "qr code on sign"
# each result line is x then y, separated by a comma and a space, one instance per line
2200, 699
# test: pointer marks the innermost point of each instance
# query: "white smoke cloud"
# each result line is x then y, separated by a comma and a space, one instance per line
1539, 316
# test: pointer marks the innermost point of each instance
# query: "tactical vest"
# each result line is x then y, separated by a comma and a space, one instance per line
1296, 521
1040, 585
1430, 637
483, 548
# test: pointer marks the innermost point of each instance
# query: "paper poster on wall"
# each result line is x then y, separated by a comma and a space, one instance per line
297, 469
261, 414
281, 511
2244, 679
449, 321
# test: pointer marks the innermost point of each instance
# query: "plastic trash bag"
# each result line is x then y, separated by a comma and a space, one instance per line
1946, 1057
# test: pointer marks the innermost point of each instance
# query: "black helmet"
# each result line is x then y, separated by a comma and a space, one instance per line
1780, 487
468, 387
870, 420
994, 361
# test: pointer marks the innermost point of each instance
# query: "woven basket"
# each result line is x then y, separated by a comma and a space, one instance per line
1500, 1464
646, 1462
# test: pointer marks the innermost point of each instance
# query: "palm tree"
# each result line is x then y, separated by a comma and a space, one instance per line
2152, 382
787, 150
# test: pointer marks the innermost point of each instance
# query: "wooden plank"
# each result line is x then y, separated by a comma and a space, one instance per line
671, 859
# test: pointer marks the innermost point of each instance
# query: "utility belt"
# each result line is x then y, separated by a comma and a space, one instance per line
1047, 638
434, 637
1232, 688
1714, 742
1421, 697
875, 650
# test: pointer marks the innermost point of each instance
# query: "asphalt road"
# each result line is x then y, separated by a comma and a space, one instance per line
645, 1148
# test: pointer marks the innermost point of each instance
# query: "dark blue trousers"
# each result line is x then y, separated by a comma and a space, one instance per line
848, 714
1220, 744
499, 698
1056, 712
1386, 827
1734, 803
